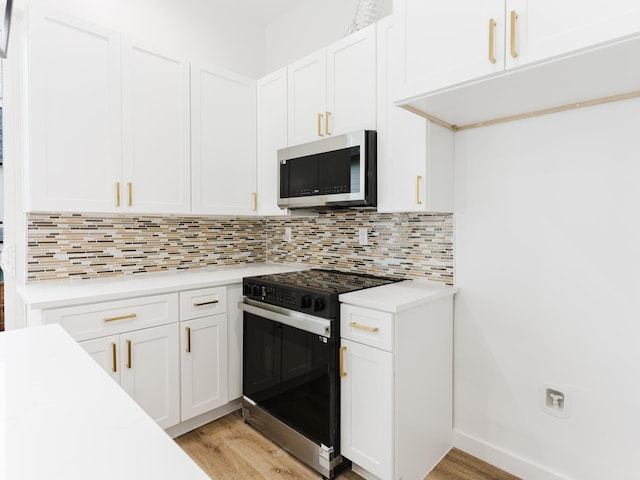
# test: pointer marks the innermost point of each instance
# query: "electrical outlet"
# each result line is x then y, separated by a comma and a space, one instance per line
556, 402
287, 234
362, 236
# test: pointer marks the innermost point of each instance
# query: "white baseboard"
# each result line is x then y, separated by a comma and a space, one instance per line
502, 459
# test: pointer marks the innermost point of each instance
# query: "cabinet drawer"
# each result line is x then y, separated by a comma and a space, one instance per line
203, 302
107, 318
368, 327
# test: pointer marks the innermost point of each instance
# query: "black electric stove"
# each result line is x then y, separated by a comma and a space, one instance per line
291, 381
310, 291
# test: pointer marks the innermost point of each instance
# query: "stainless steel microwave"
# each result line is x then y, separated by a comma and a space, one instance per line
338, 171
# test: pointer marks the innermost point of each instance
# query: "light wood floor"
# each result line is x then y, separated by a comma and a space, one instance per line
230, 449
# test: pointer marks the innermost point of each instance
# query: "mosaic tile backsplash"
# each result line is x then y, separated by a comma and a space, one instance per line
406, 245
90, 246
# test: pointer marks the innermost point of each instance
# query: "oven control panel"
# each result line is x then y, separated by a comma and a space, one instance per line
301, 300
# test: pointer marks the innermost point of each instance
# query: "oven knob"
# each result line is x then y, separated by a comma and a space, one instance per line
305, 301
255, 290
318, 304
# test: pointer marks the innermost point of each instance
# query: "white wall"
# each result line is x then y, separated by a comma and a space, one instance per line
193, 27
547, 249
311, 25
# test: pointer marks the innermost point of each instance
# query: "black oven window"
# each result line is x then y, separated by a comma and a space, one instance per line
286, 371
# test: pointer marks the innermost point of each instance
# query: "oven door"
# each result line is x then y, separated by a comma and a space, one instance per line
289, 369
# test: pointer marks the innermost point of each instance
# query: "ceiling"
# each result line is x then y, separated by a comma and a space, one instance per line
261, 11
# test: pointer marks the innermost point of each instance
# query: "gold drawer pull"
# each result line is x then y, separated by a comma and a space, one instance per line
320, 125
326, 123
117, 194
418, 180
114, 367
254, 197
363, 327
202, 304
492, 27
121, 317
342, 372
188, 339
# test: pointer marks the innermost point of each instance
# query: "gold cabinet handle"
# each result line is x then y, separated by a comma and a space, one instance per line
188, 331
320, 125
114, 366
326, 123
363, 327
254, 196
492, 28
512, 46
342, 372
121, 317
128, 353
201, 304
130, 187
418, 180
117, 194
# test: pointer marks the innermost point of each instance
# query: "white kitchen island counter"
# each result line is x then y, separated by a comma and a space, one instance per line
62, 417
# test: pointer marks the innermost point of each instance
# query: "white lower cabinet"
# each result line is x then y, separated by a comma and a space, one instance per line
203, 365
203, 344
396, 379
151, 374
366, 406
145, 363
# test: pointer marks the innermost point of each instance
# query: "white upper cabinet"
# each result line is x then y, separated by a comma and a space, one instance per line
333, 91
457, 61
155, 127
546, 28
109, 121
272, 135
440, 44
75, 144
415, 156
307, 98
223, 136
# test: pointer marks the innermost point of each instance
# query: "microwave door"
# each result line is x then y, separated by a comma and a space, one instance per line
334, 175
303, 176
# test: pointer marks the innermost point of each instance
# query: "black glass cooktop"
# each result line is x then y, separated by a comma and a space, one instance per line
310, 291
326, 281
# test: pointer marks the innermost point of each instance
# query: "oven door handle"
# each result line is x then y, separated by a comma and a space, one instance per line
299, 320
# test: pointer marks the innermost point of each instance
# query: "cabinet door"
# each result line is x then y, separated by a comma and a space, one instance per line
106, 352
272, 135
439, 44
366, 406
307, 98
150, 371
75, 146
223, 110
156, 130
415, 156
204, 364
351, 83
547, 28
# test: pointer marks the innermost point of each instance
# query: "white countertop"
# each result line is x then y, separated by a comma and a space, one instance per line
396, 297
62, 417
63, 293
